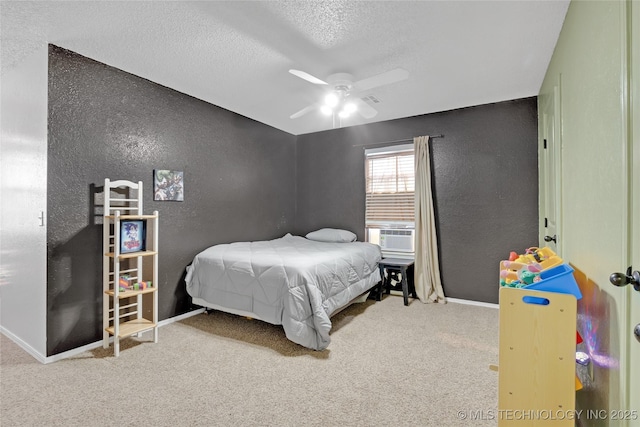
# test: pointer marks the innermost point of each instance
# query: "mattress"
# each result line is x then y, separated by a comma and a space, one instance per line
291, 281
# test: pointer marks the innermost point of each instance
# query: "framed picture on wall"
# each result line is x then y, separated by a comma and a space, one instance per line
168, 185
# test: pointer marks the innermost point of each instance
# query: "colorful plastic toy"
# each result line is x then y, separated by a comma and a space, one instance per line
522, 270
124, 283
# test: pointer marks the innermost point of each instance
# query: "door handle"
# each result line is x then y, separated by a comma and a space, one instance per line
550, 239
622, 279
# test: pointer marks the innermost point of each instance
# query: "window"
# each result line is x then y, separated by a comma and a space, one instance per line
390, 205
390, 184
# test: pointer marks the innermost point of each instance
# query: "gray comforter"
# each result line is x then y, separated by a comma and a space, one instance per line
290, 281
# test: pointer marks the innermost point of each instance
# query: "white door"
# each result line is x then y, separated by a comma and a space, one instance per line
587, 73
634, 297
551, 170
634, 324
599, 233
633, 328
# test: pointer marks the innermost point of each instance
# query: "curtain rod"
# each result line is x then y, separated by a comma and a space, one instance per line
398, 141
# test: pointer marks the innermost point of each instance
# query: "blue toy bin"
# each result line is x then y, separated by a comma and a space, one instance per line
557, 279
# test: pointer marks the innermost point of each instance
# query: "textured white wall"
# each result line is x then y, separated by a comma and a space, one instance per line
23, 187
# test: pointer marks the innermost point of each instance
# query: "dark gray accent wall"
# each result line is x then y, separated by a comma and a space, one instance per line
104, 123
485, 184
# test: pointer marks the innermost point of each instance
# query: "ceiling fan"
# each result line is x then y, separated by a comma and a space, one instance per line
339, 102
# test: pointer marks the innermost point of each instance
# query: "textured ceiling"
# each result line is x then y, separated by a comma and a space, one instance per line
237, 54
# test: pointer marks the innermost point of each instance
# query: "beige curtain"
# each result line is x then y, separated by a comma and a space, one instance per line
427, 270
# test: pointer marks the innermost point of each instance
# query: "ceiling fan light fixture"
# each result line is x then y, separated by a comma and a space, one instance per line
336, 102
326, 110
331, 100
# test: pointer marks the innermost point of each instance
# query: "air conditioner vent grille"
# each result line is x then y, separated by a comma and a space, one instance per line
400, 240
397, 232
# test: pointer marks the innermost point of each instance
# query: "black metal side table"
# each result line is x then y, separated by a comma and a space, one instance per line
393, 266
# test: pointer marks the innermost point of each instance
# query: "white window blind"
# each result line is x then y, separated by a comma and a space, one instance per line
390, 183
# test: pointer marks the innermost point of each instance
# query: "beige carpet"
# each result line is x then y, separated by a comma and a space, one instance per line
387, 365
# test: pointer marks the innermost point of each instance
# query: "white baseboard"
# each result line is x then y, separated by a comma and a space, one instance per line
75, 351
456, 300
469, 302
183, 316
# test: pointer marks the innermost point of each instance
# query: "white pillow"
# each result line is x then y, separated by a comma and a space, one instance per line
333, 235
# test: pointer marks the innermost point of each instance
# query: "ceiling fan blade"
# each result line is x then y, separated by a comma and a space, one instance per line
364, 109
302, 112
382, 79
308, 77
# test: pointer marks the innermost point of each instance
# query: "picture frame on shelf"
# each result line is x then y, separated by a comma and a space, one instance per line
133, 235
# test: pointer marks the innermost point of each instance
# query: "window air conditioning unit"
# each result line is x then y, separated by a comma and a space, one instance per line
397, 240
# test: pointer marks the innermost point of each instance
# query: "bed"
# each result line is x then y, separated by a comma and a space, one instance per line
291, 281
